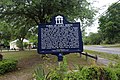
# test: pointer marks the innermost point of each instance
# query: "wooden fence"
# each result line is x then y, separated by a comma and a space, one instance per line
88, 55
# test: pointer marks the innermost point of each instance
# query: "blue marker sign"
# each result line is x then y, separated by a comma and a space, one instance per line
59, 36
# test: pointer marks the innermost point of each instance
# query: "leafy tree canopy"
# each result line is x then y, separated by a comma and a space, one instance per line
24, 15
92, 39
40, 11
110, 24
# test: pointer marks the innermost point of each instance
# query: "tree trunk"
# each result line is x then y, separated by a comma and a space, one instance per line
20, 45
1, 57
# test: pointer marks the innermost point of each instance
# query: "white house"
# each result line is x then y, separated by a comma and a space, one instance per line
13, 44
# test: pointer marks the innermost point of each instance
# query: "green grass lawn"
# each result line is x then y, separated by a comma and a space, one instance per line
72, 59
113, 57
28, 61
111, 45
18, 55
75, 59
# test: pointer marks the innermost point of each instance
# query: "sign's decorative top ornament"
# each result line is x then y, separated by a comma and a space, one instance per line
59, 19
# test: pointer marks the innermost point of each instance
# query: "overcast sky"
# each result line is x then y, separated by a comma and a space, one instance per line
102, 5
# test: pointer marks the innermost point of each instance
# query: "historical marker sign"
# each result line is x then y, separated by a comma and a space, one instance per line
59, 36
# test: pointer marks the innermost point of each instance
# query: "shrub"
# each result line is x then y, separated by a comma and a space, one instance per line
116, 69
25, 44
7, 66
98, 73
39, 73
93, 73
82, 73
55, 74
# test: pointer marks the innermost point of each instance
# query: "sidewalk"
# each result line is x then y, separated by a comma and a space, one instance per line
104, 61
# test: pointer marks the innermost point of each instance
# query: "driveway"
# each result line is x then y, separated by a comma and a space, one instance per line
103, 49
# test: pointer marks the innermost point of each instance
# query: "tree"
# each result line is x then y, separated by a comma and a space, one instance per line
110, 24
5, 33
9, 33
92, 38
31, 13
40, 11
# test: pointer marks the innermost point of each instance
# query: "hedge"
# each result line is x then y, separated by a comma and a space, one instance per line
7, 66
84, 73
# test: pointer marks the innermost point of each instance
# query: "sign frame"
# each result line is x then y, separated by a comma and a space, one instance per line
56, 23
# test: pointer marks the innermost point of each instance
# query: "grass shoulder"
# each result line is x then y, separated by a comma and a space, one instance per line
111, 45
113, 57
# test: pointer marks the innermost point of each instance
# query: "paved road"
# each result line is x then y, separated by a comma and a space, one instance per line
103, 49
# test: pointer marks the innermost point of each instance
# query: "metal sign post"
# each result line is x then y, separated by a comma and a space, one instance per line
60, 57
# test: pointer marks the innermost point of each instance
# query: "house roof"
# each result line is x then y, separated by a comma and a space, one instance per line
25, 40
